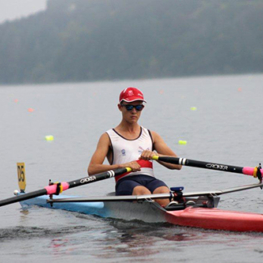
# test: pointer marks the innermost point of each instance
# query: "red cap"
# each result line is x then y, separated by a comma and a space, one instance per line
131, 94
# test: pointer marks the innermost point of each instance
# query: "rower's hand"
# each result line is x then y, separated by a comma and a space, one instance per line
148, 155
133, 165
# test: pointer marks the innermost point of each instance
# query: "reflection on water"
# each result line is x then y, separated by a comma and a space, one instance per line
138, 239
68, 234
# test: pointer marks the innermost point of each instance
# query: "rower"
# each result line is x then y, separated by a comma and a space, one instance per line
131, 145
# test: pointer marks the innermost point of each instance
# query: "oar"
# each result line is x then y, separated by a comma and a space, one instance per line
53, 189
256, 172
152, 196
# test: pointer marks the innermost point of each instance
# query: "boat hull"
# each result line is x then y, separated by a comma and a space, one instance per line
216, 219
151, 212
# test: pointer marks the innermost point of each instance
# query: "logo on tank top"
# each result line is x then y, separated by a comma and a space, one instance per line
141, 149
123, 152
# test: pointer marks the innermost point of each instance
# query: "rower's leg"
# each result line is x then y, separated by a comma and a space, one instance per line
140, 190
162, 190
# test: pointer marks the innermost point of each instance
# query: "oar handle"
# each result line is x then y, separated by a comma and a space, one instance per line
208, 165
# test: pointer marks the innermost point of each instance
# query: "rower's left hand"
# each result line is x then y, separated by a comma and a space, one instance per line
147, 155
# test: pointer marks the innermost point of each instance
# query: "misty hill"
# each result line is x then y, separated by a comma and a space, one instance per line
84, 40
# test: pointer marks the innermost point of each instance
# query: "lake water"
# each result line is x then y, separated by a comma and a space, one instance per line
226, 127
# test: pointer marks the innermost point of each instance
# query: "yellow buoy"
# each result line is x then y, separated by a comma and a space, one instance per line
193, 108
181, 142
49, 137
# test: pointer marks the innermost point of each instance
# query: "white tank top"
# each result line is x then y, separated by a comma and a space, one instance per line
124, 150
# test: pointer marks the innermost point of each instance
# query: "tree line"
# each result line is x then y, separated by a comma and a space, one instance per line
87, 40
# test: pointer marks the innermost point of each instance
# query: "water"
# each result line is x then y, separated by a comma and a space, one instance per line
226, 128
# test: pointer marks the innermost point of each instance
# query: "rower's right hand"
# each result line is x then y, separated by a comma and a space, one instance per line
133, 165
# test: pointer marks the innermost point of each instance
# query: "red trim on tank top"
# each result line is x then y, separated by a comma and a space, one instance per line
142, 163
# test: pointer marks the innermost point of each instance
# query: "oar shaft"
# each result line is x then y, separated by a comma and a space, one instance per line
207, 165
98, 177
52, 189
200, 164
19, 198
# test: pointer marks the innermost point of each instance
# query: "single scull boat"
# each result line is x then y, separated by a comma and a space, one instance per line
198, 209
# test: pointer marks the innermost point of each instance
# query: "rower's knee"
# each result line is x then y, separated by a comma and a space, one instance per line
161, 190
141, 190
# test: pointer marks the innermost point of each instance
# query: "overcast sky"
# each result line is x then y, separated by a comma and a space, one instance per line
13, 9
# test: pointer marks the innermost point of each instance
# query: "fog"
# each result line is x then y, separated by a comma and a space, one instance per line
15, 9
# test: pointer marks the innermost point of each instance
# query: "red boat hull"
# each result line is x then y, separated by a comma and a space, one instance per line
216, 219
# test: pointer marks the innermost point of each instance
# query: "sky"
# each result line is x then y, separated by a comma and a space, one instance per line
14, 9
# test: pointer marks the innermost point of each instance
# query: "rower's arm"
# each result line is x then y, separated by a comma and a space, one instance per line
96, 163
163, 150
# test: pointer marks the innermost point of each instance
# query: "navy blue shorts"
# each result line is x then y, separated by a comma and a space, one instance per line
126, 185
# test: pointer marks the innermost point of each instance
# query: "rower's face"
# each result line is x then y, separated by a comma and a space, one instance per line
131, 111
